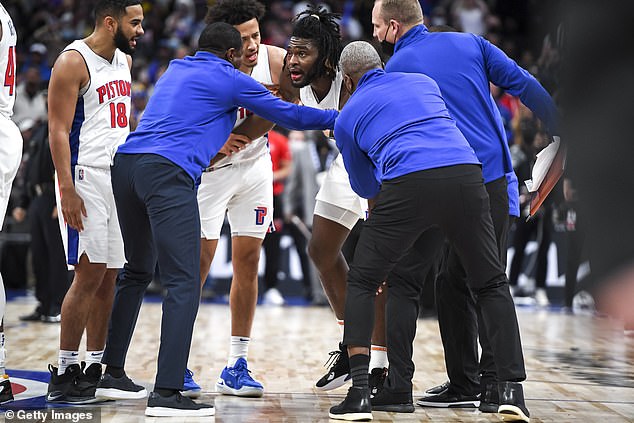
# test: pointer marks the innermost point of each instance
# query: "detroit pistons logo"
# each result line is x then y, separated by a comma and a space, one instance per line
260, 214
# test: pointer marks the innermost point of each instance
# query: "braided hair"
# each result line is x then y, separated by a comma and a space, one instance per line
319, 25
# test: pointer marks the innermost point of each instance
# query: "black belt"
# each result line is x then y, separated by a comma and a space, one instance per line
214, 168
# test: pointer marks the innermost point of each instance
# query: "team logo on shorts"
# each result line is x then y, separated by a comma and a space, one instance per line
81, 175
260, 214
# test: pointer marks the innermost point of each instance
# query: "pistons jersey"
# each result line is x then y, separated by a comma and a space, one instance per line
102, 112
258, 147
331, 101
7, 64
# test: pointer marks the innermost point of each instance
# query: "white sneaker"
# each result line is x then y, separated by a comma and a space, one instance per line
273, 297
541, 298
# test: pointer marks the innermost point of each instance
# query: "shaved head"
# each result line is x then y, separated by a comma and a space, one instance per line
359, 57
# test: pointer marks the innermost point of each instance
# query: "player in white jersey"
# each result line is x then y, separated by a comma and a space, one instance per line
89, 108
10, 157
246, 196
312, 57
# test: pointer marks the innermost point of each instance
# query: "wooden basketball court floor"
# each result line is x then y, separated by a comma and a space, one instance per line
580, 368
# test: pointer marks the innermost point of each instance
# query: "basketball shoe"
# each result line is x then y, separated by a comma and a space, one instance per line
71, 387
338, 373
237, 381
6, 394
190, 388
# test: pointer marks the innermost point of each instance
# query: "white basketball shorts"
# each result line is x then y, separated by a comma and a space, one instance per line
10, 158
244, 191
101, 239
336, 191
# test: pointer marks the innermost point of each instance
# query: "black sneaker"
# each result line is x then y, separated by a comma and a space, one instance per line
176, 405
36, 316
489, 398
512, 404
390, 401
6, 393
70, 387
339, 372
355, 407
122, 388
449, 399
376, 379
439, 389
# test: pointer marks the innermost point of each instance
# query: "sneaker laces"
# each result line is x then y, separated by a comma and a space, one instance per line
189, 375
242, 371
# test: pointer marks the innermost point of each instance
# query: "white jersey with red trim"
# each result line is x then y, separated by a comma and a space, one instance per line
261, 73
7, 63
102, 113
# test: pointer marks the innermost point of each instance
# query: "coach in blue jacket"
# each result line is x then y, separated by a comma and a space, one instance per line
155, 178
407, 151
463, 65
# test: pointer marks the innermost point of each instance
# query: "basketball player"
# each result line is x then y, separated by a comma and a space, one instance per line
10, 157
247, 196
313, 54
89, 108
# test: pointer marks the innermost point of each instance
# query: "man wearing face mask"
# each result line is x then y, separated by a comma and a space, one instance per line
155, 177
463, 65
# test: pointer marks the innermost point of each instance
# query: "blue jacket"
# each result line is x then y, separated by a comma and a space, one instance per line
462, 65
384, 132
193, 109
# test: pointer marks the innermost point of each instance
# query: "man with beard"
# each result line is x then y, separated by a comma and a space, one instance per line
247, 198
89, 108
312, 61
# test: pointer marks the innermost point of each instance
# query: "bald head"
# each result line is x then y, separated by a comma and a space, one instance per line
359, 57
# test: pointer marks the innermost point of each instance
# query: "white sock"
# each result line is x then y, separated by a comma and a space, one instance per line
66, 358
93, 357
378, 357
340, 325
238, 348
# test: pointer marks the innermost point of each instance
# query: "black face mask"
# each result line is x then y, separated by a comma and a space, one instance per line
387, 47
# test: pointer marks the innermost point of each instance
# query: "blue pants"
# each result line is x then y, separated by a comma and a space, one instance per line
158, 215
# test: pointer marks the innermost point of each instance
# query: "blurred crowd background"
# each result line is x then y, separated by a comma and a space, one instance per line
525, 29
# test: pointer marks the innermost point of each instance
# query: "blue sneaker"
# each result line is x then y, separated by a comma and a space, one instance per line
190, 388
236, 380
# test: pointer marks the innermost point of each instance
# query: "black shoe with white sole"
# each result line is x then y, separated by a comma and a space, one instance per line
355, 407
376, 379
176, 405
121, 388
489, 398
449, 399
6, 393
338, 373
393, 402
512, 405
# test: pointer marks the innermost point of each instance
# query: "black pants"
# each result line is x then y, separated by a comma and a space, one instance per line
271, 246
542, 226
52, 278
159, 219
459, 319
455, 200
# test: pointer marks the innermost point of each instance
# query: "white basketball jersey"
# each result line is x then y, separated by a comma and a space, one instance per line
7, 63
261, 73
331, 101
102, 113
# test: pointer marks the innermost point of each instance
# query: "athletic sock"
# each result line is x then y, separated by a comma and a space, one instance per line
66, 358
359, 370
238, 348
93, 357
340, 325
378, 357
